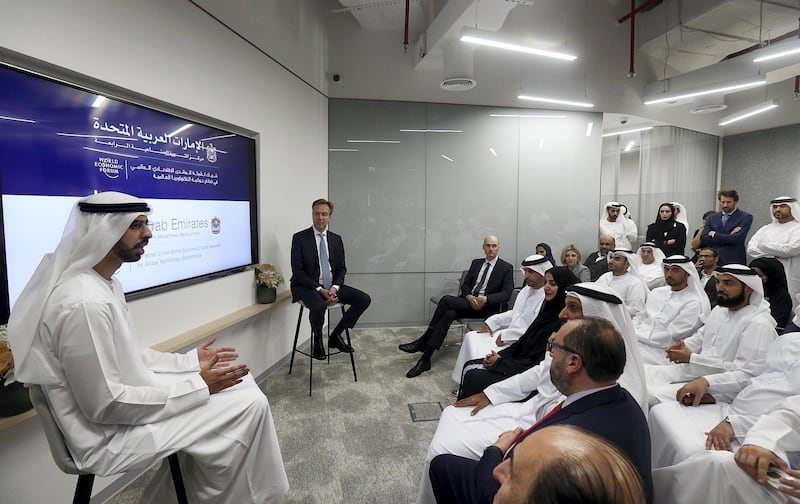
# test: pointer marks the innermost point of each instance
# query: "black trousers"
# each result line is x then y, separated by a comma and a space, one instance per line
358, 300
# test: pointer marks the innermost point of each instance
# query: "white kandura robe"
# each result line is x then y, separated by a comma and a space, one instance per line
630, 288
729, 341
712, 477
781, 241
509, 325
122, 407
624, 232
652, 274
678, 431
669, 316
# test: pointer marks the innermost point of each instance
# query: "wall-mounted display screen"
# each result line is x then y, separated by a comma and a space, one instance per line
59, 142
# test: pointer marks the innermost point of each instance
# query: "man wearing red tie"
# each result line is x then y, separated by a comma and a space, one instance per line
588, 358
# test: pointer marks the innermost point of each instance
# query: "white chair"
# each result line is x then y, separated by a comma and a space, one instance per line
64, 461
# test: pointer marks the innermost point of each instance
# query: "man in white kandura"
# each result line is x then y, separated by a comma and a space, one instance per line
473, 423
615, 222
650, 258
781, 239
712, 476
122, 407
505, 328
736, 334
624, 279
672, 312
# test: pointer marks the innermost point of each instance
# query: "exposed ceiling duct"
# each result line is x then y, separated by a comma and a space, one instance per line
457, 67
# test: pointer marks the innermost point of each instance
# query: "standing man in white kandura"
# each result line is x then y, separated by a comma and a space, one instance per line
122, 407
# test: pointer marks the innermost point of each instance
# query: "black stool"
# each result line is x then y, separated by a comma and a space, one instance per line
328, 352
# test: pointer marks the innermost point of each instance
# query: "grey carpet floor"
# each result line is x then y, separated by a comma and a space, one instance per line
354, 442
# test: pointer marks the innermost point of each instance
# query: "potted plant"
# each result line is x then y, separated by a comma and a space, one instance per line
13, 394
268, 278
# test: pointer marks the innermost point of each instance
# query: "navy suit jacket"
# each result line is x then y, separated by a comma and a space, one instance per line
305, 260
730, 246
498, 287
612, 414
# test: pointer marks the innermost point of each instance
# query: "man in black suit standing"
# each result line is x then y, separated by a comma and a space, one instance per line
588, 357
486, 287
318, 270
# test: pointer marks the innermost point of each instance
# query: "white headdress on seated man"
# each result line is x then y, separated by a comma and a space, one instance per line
537, 263
658, 254
694, 279
623, 211
747, 276
96, 223
599, 300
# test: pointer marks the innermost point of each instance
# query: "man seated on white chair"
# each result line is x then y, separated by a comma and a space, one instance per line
504, 328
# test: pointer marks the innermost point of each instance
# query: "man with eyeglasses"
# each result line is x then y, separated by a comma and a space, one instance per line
707, 261
473, 423
588, 356
122, 407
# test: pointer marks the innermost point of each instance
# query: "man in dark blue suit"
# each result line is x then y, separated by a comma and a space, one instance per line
486, 287
318, 270
727, 230
588, 357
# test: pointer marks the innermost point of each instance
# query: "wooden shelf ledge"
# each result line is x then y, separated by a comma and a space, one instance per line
184, 340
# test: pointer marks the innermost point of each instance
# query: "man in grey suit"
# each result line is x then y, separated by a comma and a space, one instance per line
318, 270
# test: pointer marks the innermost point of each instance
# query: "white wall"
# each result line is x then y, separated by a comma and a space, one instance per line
173, 51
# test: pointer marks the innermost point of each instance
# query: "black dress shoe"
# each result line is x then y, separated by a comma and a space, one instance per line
340, 344
319, 351
413, 347
420, 367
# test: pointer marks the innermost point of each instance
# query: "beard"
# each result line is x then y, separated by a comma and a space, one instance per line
127, 254
558, 376
727, 302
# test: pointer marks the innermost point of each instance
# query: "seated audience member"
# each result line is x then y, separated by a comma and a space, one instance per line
713, 477
473, 423
544, 249
706, 265
736, 333
571, 258
597, 262
672, 312
529, 350
624, 279
615, 222
563, 463
122, 407
504, 328
767, 444
588, 357
770, 270
486, 287
667, 233
740, 397
781, 239
695, 243
650, 259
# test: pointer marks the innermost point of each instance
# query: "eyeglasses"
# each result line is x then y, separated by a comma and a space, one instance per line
139, 224
552, 344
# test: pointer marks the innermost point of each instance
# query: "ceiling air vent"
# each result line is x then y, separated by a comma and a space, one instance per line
708, 109
457, 84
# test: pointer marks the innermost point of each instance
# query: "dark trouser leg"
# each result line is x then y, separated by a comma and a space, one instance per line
448, 309
316, 310
475, 380
358, 300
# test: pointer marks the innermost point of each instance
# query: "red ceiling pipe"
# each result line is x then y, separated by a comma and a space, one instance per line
645, 6
631, 71
405, 36
797, 86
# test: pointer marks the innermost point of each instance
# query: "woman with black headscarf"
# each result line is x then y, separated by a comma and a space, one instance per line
530, 349
772, 274
668, 234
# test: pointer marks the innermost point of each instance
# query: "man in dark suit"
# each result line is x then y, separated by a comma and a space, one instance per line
727, 230
597, 262
485, 289
318, 270
588, 357
707, 261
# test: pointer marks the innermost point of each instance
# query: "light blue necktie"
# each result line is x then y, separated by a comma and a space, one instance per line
725, 219
324, 264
